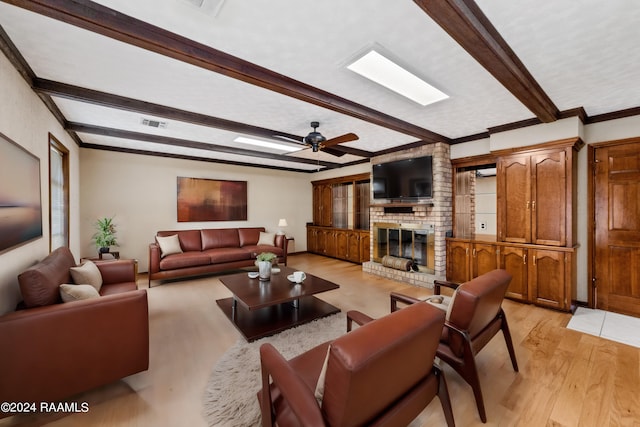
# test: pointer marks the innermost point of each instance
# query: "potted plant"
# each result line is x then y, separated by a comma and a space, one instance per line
105, 236
265, 261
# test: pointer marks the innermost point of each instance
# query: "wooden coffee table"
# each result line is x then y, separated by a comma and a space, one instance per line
258, 309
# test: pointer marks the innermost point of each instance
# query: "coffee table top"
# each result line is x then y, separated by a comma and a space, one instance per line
255, 294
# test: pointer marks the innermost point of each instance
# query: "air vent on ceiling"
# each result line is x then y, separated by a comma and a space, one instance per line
154, 123
210, 7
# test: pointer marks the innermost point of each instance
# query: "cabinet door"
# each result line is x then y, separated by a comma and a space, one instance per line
365, 246
458, 261
484, 258
353, 246
549, 198
548, 278
312, 240
514, 199
330, 248
341, 243
514, 260
326, 213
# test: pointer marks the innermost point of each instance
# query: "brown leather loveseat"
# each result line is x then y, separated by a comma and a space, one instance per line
196, 252
52, 350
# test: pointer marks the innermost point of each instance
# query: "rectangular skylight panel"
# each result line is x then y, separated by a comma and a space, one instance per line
387, 73
268, 144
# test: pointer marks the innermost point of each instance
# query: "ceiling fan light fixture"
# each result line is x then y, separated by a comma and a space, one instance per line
268, 144
381, 70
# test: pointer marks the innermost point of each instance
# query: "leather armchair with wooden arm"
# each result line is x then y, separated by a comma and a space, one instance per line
380, 374
474, 316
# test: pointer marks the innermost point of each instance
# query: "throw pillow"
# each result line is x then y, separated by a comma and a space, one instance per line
87, 273
267, 239
70, 293
169, 245
319, 391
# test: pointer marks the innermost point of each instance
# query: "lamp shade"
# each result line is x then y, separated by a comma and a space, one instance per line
282, 222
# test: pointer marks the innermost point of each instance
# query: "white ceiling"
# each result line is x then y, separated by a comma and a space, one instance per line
582, 53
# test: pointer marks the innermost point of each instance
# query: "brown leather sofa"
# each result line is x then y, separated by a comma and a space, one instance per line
52, 350
211, 250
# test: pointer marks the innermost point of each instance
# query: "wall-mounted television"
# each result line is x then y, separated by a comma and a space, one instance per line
403, 179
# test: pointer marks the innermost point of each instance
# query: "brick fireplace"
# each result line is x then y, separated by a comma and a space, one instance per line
434, 214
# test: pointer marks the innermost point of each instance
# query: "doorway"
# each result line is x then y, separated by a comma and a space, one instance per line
615, 253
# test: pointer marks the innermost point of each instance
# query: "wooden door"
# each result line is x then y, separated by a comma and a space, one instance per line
342, 244
484, 258
548, 278
549, 198
514, 199
514, 260
617, 228
365, 246
326, 205
458, 261
312, 240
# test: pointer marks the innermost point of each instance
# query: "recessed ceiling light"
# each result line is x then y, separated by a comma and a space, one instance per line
268, 144
387, 73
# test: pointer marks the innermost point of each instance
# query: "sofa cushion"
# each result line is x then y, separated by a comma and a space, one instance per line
185, 259
220, 255
250, 236
87, 274
77, 292
266, 239
116, 288
189, 239
39, 284
220, 238
169, 245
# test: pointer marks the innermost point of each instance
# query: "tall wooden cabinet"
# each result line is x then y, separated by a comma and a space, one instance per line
340, 227
536, 223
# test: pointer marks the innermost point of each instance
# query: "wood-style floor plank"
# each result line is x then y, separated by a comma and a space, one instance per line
566, 378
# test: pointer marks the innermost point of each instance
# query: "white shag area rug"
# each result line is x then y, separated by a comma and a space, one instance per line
230, 397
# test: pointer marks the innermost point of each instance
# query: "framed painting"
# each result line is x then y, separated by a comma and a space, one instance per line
211, 200
20, 201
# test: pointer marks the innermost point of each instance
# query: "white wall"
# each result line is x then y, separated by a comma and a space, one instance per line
26, 121
140, 192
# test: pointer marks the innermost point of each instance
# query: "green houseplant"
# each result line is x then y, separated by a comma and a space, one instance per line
105, 235
265, 261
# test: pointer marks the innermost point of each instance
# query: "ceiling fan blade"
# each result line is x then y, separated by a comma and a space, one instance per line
347, 137
333, 151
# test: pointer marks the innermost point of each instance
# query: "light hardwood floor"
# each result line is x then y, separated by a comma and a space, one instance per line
566, 378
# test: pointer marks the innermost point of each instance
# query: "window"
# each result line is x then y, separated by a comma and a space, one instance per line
58, 194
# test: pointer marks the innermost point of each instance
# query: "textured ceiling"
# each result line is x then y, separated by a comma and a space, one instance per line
582, 53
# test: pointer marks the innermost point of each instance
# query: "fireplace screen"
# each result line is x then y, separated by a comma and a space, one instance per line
410, 241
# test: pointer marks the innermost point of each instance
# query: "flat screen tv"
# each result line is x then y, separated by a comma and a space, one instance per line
403, 179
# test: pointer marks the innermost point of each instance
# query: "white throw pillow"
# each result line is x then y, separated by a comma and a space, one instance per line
87, 273
169, 245
267, 239
70, 293
319, 391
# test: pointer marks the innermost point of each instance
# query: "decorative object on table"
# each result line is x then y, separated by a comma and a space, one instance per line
265, 262
281, 224
21, 208
105, 236
211, 200
297, 277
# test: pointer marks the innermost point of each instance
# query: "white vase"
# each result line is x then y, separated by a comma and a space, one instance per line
264, 270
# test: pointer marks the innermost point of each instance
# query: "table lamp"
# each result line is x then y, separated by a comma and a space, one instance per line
282, 223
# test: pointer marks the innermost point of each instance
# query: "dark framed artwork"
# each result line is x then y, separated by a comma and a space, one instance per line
20, 201
211, 200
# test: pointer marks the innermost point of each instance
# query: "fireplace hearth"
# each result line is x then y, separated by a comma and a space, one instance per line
415, 242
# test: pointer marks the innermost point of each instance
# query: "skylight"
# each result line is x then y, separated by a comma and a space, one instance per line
268, 144
387, 73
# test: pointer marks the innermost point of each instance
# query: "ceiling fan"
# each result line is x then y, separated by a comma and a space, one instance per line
317, 141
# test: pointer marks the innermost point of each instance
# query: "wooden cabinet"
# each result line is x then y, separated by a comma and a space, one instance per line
535, 195
350, 245
542, 275
322, 205
466, 259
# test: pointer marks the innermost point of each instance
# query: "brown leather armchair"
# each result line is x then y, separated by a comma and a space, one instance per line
380, 374
474, 317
